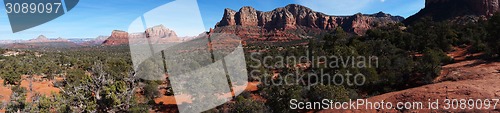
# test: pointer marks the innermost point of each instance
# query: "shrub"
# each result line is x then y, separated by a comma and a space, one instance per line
320, 92
243, 105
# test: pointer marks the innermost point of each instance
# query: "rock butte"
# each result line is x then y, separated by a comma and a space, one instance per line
157, 34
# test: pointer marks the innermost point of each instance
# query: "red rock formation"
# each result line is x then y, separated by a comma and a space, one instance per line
162, 34
156, 34
257, 25
117, 38
455, 9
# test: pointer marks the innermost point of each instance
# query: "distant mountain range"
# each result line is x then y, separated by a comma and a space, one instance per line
89, 41
292, 22
156, 34
42, 41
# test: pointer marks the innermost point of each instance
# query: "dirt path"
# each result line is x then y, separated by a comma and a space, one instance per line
469, 70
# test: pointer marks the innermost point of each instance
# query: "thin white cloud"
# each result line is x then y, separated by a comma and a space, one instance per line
336, 7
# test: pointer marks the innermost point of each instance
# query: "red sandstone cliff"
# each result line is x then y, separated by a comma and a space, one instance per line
117, 38
278, 23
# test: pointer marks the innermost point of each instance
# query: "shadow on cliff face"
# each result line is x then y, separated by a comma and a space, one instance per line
440, 10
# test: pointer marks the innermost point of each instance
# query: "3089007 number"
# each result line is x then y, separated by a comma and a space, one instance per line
32, 8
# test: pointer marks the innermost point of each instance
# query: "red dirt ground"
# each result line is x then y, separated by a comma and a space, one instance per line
43, 87
171, 100
467, 79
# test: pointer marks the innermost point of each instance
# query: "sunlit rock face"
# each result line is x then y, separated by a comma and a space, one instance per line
249, 21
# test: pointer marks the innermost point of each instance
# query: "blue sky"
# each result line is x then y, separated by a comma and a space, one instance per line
91, 18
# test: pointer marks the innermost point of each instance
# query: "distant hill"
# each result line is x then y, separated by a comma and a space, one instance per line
43, 39
44, 42
41, 45
40, 42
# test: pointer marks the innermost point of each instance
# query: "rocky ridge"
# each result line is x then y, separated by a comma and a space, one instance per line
249, 21
43, 39
117, 38
39, 42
